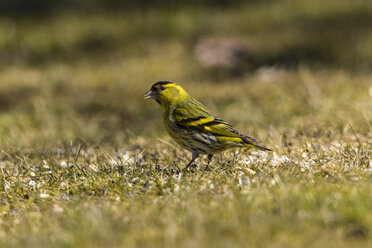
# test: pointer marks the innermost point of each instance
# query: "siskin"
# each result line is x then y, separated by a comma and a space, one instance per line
193, 126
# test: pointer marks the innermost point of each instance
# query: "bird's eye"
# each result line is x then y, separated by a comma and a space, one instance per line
162, 88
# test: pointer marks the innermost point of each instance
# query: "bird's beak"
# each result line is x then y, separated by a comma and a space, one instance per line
149, 95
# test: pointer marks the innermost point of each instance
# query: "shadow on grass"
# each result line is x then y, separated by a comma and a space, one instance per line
13, 97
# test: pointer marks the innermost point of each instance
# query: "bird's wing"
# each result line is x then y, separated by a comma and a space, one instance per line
191, 114
195, 116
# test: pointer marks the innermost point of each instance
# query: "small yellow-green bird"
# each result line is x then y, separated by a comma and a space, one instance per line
193, 126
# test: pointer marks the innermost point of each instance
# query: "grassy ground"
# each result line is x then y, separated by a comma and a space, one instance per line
86, 162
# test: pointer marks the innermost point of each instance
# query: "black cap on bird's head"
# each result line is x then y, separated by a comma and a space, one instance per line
157, 91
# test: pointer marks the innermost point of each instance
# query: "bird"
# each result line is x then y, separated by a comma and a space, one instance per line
193, 126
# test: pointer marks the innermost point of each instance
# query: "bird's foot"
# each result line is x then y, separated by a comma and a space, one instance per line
190, 168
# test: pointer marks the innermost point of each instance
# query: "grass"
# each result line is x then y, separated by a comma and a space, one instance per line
86, 162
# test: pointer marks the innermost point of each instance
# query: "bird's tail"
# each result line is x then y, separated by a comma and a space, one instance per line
262, 148
249, 143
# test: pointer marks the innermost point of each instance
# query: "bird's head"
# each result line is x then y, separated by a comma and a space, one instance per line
166, 93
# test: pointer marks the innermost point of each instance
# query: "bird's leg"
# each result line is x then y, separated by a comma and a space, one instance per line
194, 156
210, 156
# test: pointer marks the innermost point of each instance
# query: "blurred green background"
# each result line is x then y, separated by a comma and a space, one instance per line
78, 69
